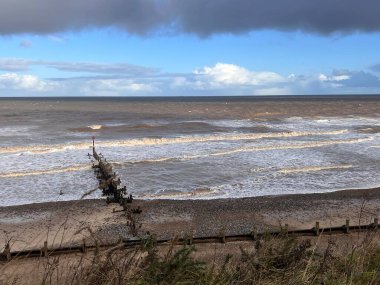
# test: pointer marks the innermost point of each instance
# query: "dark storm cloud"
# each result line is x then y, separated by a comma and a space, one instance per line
49, 16
202, 17
322, 16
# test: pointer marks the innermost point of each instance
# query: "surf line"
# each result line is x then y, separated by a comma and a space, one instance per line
314, 168
281, 147
48, 171
41, 149
247, 149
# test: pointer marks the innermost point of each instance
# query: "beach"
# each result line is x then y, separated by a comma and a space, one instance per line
68, 222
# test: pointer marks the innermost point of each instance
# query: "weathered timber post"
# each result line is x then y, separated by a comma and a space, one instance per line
93, 142
7, 252
84, 246
190, 238
316, 229
347, 226
222, 237
44, 251
375, 223
254, 233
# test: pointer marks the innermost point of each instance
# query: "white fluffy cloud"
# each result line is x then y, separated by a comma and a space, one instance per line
334, 78
115, 87
13, 81
219, 79
223, 74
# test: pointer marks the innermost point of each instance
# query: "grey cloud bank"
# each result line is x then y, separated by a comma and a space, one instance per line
201, 17
17, 64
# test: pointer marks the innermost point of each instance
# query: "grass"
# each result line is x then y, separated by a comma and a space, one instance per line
273, 260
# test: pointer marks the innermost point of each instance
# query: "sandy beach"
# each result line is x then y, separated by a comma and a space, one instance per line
63, 223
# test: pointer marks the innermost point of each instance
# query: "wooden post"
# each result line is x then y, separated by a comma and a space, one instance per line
188, 238
223, 236
286, 229
191, 238
84, 246
254, 233
316, 229
347, 227
375, 223
7, 252
44, 251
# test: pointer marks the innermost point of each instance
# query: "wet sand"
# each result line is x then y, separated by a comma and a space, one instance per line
28, 226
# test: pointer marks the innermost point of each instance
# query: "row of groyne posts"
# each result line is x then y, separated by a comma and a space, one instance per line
110, 183
189, 239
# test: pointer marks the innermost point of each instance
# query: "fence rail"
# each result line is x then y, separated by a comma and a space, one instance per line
45, 251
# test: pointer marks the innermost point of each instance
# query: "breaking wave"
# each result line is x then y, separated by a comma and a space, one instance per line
198, 192
40, 149
48, 171
313, 168
252, 149
280, 147
95, 127
153, 160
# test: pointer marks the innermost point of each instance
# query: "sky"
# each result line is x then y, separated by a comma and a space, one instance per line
189, 47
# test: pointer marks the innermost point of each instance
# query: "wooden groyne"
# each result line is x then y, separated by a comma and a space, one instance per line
109, 182
254, 235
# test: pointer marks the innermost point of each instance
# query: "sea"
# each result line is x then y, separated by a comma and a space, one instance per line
188, 147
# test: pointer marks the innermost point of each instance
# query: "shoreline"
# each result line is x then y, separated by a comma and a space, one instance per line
352, 192
357, 192
68, 222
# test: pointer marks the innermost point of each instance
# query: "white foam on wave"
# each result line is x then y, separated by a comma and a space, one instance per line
47, 171
231, 123
351, 121
152, 160
40, 149
313, 168
314, 144
194, 194
282, 147
95, 127
16, 131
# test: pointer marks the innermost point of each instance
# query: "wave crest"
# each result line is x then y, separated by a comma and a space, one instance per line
47, 171
41, 149
314, 168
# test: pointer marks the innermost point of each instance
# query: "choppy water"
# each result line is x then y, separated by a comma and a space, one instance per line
182, 150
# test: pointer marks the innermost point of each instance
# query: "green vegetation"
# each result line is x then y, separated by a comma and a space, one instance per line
272, 260
280, 260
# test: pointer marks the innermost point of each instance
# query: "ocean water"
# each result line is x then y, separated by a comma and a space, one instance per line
188, 149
